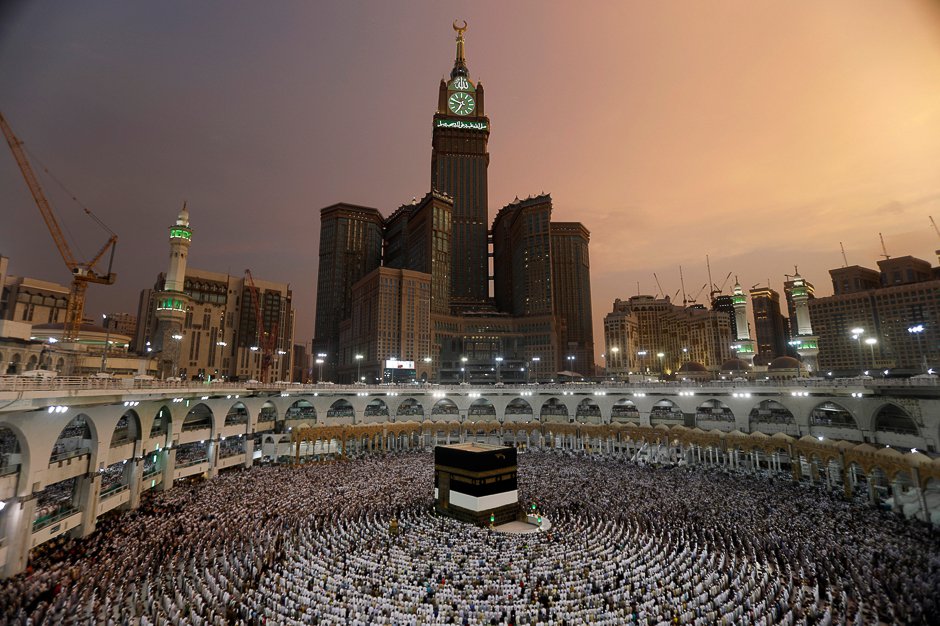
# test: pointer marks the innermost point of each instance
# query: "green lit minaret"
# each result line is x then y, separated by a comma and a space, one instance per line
172, 302
744, 346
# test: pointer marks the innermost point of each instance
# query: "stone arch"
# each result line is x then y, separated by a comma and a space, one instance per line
713, 413
162, 423
770, 412
341, 408
198, 417
15, 362
73, 440
625, 410
481, 409
553, 409
665, 411
127, 428
237, 415
444, 406
891, 418
33, 363
588, 411
517, 408
410, 408
59, 365
376, 408
833, 415
268, 413
301, 410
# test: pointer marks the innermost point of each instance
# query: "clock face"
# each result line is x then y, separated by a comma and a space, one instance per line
461, 103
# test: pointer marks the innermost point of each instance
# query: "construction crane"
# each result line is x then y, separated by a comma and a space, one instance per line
884, 250
267, 339
82, 273
934, 224
845, 261
695, 299
659, 286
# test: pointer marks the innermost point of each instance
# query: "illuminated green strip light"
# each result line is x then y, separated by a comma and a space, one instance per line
739, 299
171, 304
181, 233
460, 124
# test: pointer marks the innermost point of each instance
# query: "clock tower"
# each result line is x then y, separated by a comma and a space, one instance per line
459, 161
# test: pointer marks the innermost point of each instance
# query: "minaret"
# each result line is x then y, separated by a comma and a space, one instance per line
172, 302
805, 342
744, 346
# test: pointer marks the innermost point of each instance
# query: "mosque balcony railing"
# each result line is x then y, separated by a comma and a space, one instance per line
42, 522
6, 470
113, 490
63, 456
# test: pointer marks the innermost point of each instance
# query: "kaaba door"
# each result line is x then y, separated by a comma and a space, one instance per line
444, 490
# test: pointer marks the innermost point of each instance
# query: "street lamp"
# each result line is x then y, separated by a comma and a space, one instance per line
871, 341
661, 367
570, 358
616, 353
535, 359
221, 345
319, 363
918, 331
641, 354
463, 368
358, 368
857, 336
427, 360
107, 342
499, 363
795, 344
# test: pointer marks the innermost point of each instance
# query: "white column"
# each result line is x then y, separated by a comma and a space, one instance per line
87, 489
17, 520
168, 458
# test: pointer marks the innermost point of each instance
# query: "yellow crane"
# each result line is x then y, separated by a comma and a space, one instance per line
82, 273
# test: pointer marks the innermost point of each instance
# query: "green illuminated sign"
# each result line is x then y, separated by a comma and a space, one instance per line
180, 233
460, 124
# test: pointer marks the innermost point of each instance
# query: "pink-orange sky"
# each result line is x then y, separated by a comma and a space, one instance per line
759, 133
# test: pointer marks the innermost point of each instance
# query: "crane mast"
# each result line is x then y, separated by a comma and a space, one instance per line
82, 273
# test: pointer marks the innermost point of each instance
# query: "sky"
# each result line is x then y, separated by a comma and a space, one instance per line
761, 134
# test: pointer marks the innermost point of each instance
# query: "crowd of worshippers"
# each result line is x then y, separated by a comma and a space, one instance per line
628, 544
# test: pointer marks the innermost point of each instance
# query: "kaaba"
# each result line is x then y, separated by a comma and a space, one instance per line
474, 481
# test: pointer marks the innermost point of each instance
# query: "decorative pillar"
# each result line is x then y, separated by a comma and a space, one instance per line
133, 478
249, 450
168, 459
16, 519
87, 488
213, 459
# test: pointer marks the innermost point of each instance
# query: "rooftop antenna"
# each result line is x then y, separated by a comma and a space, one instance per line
845, 261
637, 287
884, 251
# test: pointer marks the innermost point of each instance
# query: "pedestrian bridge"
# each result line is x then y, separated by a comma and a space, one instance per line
74, 449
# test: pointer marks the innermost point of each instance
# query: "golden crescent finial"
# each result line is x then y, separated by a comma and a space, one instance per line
460, 29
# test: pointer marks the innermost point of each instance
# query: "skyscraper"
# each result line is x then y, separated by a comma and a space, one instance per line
769, 326
522, 257
459, 162
571, 274
350, 248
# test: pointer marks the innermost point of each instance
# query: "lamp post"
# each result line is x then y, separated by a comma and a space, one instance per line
358, 368
857, 336
871, 341
107, 342
662, 371
641, 354
570, 358
220, 344
463, 368
277, 365
321, 359
427, 361
616, 352
499, 363
918, 331
535, 359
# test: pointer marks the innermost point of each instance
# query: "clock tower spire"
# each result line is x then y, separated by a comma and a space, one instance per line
459, 160
460, 63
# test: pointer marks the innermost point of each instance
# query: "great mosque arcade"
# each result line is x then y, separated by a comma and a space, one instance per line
72, 452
